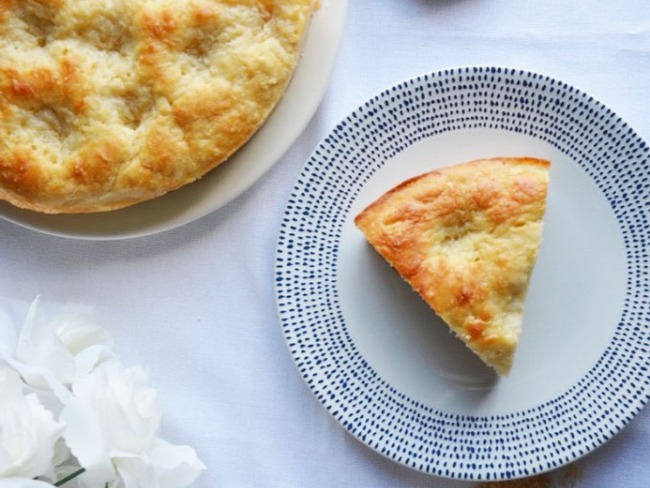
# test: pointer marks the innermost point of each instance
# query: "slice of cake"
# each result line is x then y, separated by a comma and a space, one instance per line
466, 238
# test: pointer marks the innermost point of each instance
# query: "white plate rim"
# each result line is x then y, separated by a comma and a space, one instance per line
300, 311
228, 181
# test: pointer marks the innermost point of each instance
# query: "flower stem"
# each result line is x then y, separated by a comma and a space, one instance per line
71, 476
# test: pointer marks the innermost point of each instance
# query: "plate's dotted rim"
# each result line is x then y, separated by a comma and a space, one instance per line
521, 443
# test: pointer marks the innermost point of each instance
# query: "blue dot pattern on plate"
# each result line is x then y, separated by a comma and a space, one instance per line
509, 446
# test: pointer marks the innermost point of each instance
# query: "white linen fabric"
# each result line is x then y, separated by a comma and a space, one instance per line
196, 306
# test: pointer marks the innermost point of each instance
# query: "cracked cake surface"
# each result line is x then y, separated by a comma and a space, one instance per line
104, 104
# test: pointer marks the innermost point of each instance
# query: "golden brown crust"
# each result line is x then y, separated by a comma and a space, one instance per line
105, 104
466, 237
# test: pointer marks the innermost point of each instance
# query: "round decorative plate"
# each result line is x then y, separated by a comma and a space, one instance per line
378, 358
231, 179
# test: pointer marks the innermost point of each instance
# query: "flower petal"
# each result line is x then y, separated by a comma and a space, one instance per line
23, 483
28, 432
85, 438
78, 332
89, 358
176, 465
40, 378
125, 406
39, 346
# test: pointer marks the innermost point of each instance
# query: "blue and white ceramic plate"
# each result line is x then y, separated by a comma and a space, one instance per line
387, 368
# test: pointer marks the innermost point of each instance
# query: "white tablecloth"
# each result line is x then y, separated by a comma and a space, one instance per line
196, 305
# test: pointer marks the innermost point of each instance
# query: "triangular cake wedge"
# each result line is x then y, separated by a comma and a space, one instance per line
466, 238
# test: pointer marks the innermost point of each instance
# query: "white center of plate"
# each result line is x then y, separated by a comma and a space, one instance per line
573, 305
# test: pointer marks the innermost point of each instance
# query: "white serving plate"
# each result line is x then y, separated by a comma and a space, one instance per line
231, 179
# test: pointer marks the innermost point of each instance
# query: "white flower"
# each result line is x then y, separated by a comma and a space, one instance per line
51, 353
68, 406
112, 425
164, 466
28, 432
23, 483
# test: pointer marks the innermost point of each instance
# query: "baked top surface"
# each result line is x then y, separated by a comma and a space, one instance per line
466, 238
105, 104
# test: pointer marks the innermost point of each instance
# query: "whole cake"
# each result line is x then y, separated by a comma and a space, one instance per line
466, 238
106, 103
